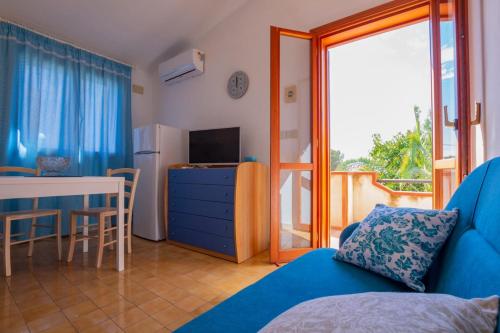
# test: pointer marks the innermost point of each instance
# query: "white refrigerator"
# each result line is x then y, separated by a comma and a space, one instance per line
155, 148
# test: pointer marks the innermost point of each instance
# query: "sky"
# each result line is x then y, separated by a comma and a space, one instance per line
374, 84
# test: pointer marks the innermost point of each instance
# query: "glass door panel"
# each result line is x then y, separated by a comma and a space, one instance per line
295, 209
293, 159
295, 104
449, 125
446, 106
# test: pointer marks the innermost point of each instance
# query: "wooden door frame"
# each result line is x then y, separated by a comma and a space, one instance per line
383, 18
386, 17
276, 254
461, 163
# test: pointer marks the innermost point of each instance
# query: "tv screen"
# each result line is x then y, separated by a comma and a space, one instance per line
215, 146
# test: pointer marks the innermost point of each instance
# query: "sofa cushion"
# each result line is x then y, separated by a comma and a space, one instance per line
389, 312
310, 276
470, 262
399, 243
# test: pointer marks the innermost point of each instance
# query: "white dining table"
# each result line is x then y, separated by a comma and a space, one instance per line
13, 187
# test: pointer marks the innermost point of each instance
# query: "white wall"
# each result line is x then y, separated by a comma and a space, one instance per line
484, 57
491, 59
241, 42
143, 107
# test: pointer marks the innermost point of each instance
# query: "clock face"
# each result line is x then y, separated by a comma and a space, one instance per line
237, 85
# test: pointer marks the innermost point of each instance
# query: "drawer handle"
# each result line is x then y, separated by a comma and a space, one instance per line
227, 210
226, 194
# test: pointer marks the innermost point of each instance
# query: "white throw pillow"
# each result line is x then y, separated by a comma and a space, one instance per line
389, 312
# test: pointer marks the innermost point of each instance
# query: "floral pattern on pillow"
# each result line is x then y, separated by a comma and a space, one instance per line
399, 243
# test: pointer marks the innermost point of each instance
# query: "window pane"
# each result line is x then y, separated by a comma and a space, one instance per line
448, 79
295, 100
295, 216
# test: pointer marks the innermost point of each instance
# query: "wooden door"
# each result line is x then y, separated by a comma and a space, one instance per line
294, 144
450, 127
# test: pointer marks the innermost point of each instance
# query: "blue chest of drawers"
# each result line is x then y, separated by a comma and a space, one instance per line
219, 211
201, 208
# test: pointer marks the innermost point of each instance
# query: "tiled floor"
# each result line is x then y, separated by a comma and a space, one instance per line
162, 287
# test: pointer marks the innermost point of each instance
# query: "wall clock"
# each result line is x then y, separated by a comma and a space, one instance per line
237, 85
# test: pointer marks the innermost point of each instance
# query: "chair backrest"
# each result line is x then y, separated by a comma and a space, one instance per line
20, 171
131, 180
469, 264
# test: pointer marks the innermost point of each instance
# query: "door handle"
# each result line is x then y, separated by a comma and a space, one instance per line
447, 122
477, 115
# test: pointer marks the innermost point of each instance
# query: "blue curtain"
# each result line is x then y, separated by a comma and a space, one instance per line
56, 99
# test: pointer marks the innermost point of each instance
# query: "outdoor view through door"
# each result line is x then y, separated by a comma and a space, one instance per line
380, 103
372, 108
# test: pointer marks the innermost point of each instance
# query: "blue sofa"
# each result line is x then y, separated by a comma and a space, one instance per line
468, 266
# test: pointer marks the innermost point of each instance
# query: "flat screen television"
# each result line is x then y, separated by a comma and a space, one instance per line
215, 146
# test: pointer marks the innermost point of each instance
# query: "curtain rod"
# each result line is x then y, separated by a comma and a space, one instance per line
64, 42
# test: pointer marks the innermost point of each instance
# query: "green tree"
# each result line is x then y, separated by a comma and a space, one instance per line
416, 156
336, 159
404, 156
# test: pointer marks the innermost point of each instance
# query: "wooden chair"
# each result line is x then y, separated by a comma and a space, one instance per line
8, 218
103, 216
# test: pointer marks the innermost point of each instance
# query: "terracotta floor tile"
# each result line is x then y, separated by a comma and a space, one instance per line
39, 312
27, 295
205, 292
155, 305
57, 294
90, 319
129, 317
45, 295
174, 295
80, 309
9, 310
179, 321
62, 328
14, 323
141, 298
68, 301
49, 321
107, 326
189, 303
116, 308
222, 297
147, 325
106, 299
14, 328
35, 302
169, 315
202, 309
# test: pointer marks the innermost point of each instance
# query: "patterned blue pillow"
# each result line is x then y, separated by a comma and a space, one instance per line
399, 243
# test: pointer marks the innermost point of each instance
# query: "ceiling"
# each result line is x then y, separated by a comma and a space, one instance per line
138, 32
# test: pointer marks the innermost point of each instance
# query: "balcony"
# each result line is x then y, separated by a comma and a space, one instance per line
353, 194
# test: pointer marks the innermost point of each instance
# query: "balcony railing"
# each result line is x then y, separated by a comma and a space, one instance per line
354, 194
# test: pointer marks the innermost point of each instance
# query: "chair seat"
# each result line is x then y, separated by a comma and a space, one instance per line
28, 214
98, 211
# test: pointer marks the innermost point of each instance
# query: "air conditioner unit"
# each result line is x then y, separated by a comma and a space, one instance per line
183, 66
